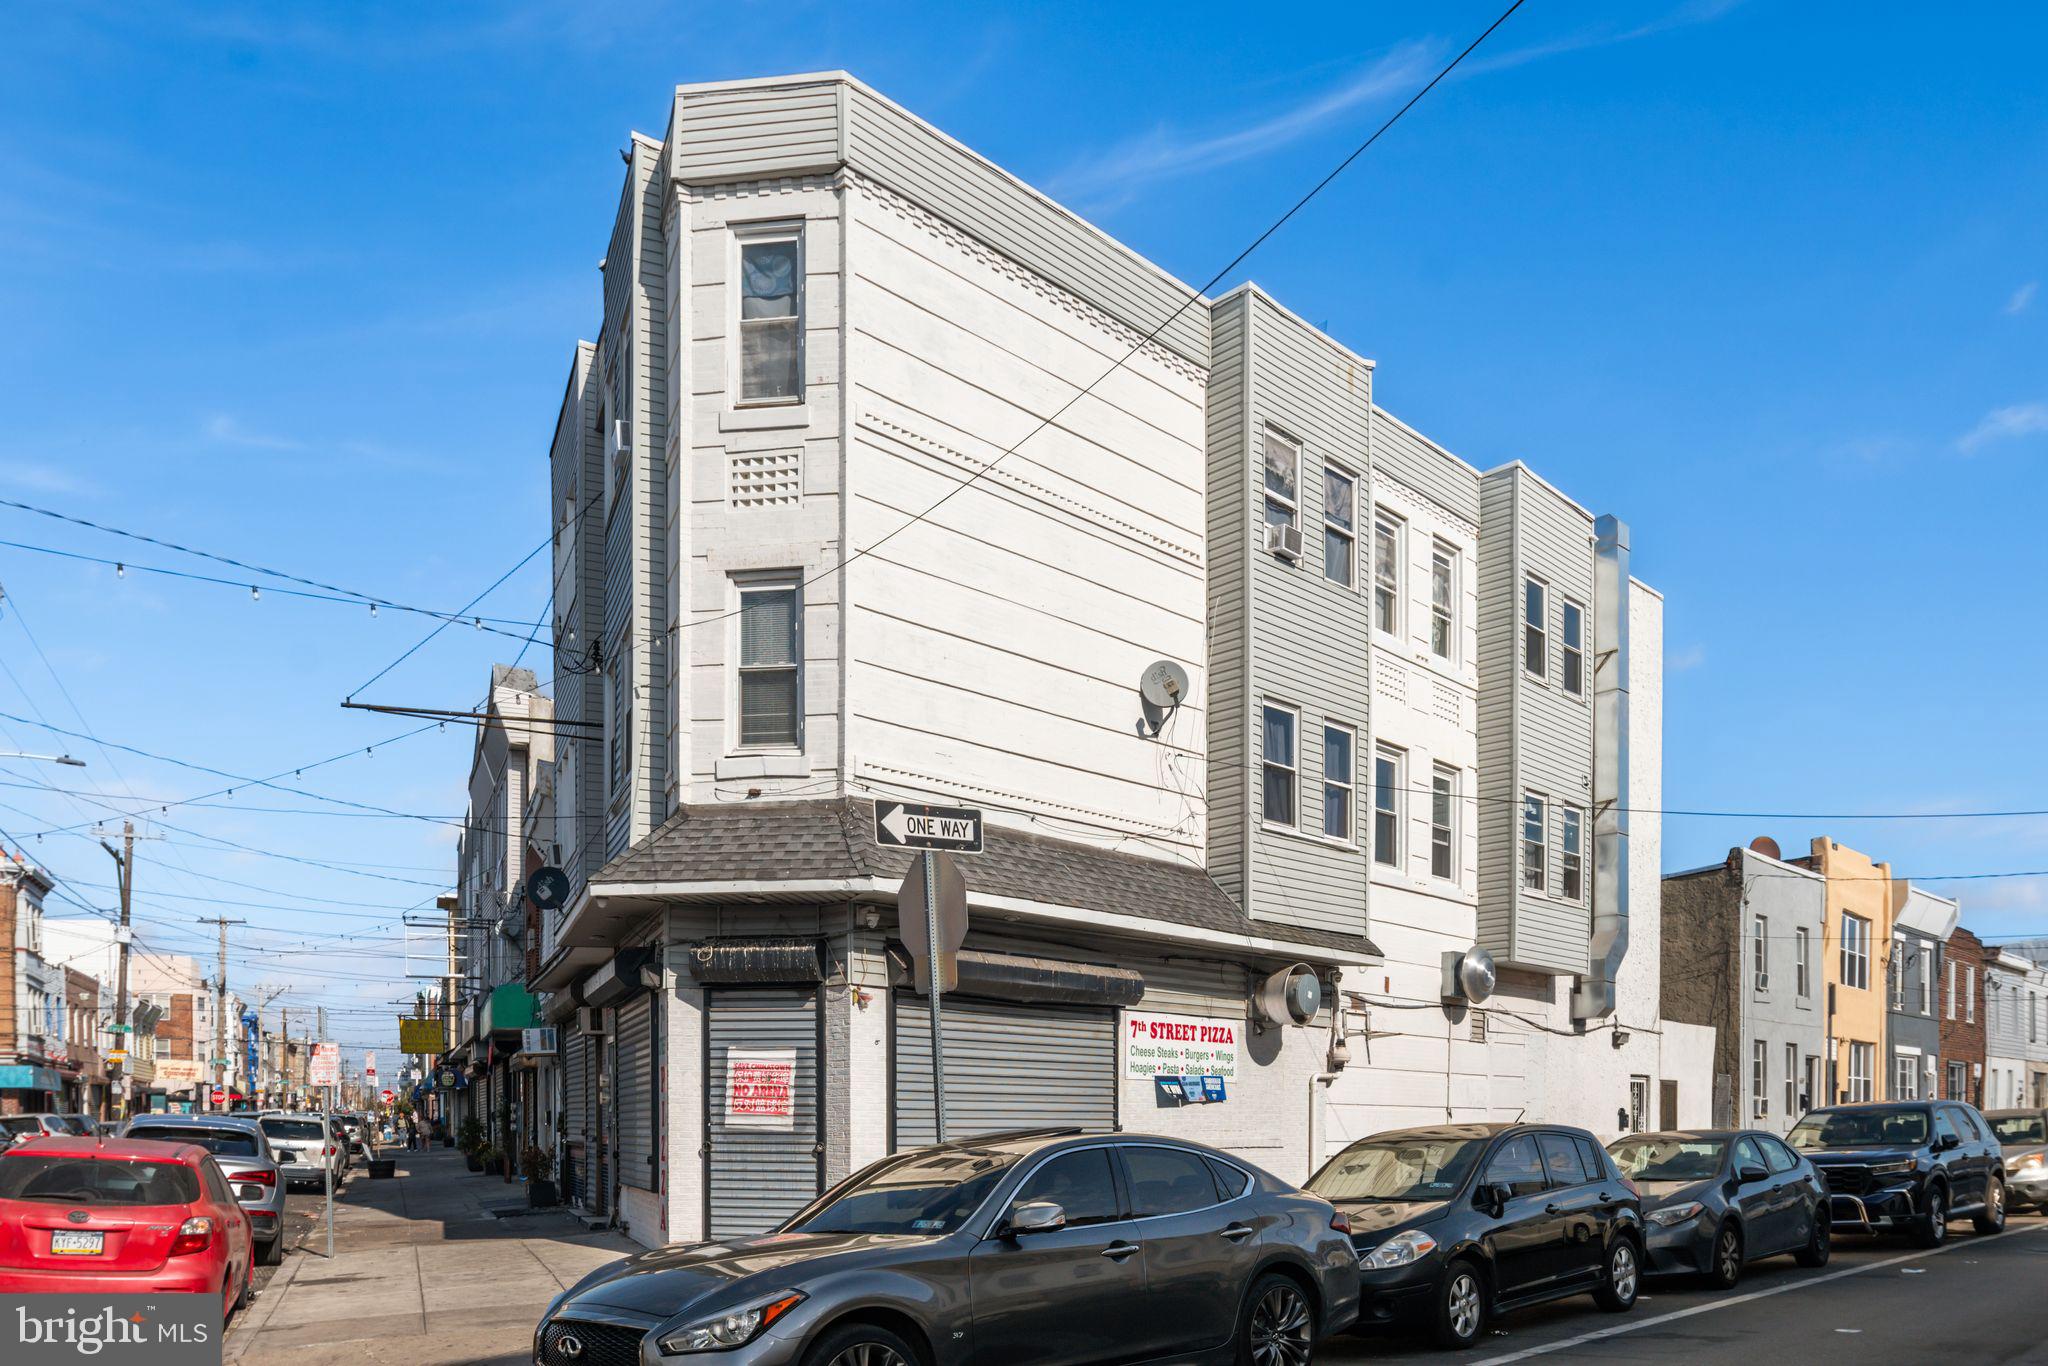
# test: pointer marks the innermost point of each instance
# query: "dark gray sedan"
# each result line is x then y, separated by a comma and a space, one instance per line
1716, 1200
1027, 1249
2023, 1134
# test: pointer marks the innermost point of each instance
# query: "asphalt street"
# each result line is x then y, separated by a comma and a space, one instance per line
1979, 1299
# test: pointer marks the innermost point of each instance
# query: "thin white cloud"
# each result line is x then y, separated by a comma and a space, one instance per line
225, 430
39, 478
1679, 661
2005, 424
2022, 298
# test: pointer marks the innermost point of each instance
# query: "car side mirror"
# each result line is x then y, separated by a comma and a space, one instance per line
1040, 1216
1947, 1141
1492, 1195
1749, 1174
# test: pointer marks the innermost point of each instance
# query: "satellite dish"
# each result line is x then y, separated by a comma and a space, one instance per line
1165, 685
1765, 845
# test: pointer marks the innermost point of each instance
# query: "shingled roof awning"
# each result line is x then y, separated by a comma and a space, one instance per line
764, 851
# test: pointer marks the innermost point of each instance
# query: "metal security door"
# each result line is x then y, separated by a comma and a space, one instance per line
764, 1150
576, 1115
1008, 1066
636, 1093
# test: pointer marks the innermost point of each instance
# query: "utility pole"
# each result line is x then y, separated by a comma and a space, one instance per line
220, 1008
125, 861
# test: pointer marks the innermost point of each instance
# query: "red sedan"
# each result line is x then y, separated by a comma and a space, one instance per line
121, 1216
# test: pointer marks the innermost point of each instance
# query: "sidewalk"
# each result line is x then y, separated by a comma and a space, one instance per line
422, 1274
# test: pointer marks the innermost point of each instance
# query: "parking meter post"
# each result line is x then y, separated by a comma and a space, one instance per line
933, 979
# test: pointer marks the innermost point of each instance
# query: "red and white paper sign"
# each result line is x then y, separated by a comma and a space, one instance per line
760, 1088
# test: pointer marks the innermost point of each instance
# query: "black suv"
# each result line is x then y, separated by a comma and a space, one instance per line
1906, 1166
1456, 1223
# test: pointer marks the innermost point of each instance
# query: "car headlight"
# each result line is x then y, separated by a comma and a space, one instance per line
1674, 1214
733, 1328
2030, 1166
1399, 1250
1891, 1168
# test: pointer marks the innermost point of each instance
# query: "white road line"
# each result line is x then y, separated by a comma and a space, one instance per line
1636, 1326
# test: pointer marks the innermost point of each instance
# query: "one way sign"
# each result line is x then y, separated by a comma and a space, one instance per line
904, 825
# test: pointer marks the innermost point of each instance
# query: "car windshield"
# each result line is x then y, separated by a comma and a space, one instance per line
304, 1130
221, 1141
78, 1124
1860, 1129
20, 1124
926, 1196
1669, 1159
95, 1181
2021, 1129
1406, 1169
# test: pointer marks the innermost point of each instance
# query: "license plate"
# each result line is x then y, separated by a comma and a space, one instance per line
287, 1155
71, 1242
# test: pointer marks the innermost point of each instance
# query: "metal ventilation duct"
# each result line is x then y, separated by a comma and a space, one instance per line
1595, 994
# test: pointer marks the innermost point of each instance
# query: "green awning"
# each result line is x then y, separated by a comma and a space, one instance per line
510, 1006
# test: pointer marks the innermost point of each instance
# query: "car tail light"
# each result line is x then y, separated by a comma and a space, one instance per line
194, 1235
260, 1178
1341, 1222
329, 1150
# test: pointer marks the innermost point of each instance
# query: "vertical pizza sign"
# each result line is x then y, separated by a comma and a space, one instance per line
760, 1088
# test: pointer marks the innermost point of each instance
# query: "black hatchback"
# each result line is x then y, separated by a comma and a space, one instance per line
1455, 1224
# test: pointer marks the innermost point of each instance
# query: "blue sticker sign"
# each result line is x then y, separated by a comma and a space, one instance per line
1212, 1089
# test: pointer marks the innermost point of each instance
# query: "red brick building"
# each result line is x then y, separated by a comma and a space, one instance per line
1962, 1018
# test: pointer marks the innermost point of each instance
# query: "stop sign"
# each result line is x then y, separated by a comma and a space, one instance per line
387, 1097
220, 1097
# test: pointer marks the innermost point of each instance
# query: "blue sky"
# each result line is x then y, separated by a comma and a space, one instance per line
299, 285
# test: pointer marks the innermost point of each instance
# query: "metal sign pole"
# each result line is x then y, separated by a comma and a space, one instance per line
327, 1165
932, 974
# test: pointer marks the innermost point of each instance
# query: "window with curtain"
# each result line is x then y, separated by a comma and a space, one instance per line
1386, 574
1572, 860
1340, 495
1534, 821
1278, 764
1443, 585
771, 320
770, 667
1283, 479
1443, 794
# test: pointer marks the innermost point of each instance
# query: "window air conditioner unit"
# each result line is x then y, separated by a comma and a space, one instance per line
1283, 540
1760, 1109
590, 1019
619, 437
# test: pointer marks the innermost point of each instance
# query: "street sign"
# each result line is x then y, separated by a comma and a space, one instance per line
220, 1097
370, 1067
325, 1067
117, 1055
420, 1036
907, 825
948, 901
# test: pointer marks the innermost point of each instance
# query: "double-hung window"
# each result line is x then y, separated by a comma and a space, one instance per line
1443, 587
1951, 988
1970, 994
1340, 526
1855, 952
1927, 973
1759, 1079
1386, 573
770, 665
1572, 859
771, 318
1895, 974
1339, 748
1535, 823
1760, 951
1386, 807
1572, 668
1283, 479
1443, 798
1862, 1065
1278, 765
1802, 950
1536, 627
1791, 1081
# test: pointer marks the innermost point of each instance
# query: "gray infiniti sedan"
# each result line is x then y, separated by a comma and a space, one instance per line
1018, 1249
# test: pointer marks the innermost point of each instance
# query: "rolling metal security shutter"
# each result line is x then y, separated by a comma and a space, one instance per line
1008, 1066
576, 1109
636, 1092
757, 1177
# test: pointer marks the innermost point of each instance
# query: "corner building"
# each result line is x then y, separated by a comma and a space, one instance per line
805, 564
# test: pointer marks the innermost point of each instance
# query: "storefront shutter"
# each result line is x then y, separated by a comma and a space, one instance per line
764, 1166
1008, 1066
636, 1092
576, 1110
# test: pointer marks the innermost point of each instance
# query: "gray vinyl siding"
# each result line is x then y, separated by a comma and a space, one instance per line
1403, 455
776, 129
1228, 536
650, 509
1529, 529
577, 463
1309, 641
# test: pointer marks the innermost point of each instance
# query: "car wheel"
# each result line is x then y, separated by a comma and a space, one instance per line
271, 1251
1276, 1326
248, 1290
1460, 1306
1617, 1294
1991, 1219
1931, 1230
1726, 1268
861, 1344
1820, 1244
